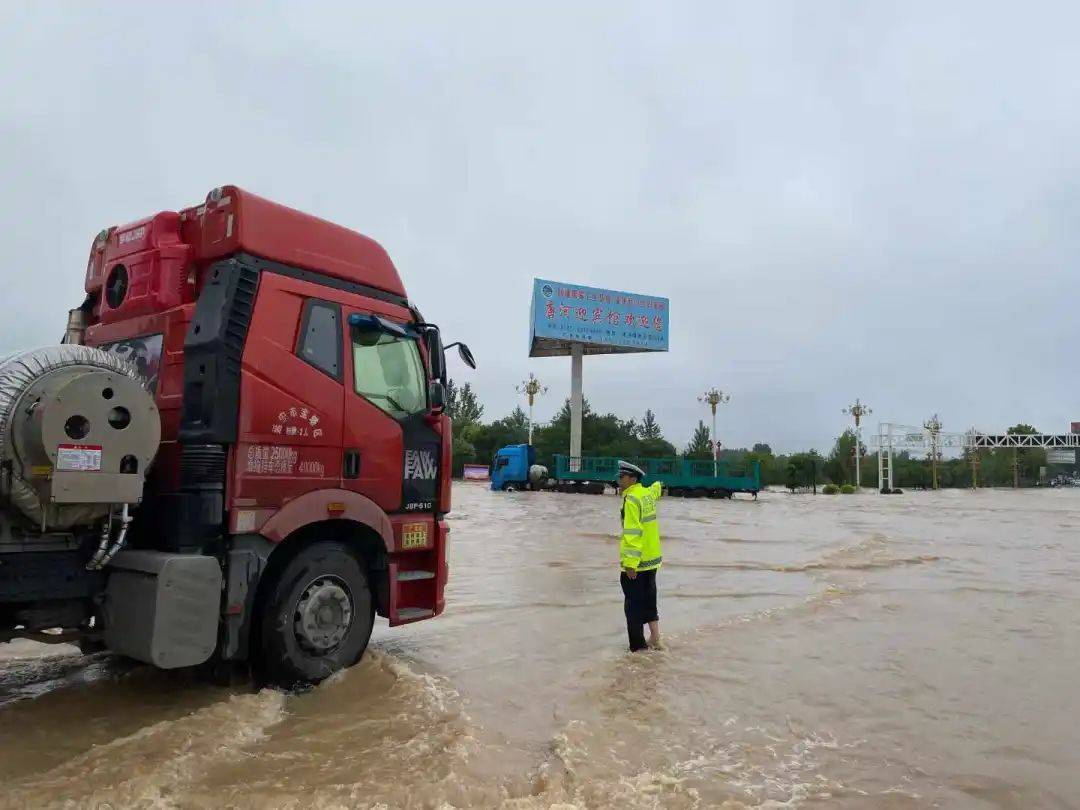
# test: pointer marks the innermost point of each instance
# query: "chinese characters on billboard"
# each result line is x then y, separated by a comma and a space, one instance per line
563, 314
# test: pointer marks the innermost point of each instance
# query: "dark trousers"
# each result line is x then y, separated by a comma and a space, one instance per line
639, 604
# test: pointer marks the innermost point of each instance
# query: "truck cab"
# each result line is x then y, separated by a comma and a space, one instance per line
510, 469
304, 447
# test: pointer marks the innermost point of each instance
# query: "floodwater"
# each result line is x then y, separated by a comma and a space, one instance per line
920, 650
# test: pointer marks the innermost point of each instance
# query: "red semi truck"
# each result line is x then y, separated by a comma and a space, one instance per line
239, 454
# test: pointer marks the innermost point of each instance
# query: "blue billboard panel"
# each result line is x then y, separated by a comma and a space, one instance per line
604, 321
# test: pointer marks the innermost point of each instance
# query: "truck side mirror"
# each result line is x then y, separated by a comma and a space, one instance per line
435, 354
437, 396
467, 356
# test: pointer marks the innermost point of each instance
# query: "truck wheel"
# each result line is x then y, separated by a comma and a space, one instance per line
317, 618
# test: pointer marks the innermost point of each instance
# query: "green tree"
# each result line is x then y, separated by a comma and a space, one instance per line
517, 421
649, 429
652, 443
462, 404
656, 448
1026, 460
1000, 468
700, 447
838, 467
762, 455
601, 435
487, 439
554, 438
802, 471
463, 451
1021, 429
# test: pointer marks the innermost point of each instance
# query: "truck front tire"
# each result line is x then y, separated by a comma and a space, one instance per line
317, 618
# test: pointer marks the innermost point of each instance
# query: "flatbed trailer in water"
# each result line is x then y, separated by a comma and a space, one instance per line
515, 468
680, 477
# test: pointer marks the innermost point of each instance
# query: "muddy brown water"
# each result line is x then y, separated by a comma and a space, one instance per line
910, 651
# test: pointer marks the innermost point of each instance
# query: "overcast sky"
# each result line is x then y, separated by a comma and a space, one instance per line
840, 199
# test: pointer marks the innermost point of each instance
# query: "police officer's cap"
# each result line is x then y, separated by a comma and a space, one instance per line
626, 468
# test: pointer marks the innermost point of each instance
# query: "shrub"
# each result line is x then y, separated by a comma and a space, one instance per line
830, 489
847, 489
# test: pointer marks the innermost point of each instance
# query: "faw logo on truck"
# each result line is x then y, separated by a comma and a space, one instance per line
419, 465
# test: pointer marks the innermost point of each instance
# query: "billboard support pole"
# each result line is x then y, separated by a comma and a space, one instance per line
565, 318
576, 355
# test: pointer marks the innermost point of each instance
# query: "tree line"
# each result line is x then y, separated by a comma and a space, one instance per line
476, 442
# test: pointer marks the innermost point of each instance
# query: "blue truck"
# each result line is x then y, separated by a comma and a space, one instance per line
511, 467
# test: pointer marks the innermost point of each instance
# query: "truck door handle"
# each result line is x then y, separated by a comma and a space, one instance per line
350, 466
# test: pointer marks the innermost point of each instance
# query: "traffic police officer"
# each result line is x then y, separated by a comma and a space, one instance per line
639, 555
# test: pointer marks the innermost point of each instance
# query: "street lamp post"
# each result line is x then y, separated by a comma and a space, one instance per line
712, 398
974, 454
858, 410
933, 426
531, 388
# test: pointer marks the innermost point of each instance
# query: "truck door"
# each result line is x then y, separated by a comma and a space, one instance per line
391, 453
292, 396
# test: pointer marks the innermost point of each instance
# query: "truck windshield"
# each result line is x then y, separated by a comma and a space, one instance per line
388, 372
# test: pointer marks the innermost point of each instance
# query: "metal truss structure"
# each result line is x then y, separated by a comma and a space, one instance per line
1047, 441
893, 438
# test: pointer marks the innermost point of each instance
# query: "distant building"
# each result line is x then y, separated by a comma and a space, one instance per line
1063, 457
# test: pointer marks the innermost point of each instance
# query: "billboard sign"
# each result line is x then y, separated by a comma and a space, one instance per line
1060, 456
603, 321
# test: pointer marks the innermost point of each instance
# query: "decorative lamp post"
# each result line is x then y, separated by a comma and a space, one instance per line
933, 426
531, 388
858, 410
712, 398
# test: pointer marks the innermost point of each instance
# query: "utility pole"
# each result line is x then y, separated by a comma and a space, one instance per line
933, 425
712, 398
858, 410
531, 388
974, 451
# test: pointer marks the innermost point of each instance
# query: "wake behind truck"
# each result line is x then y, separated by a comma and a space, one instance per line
238, 455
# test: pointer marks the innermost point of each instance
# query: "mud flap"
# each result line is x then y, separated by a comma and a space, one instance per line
163, 608
246, 562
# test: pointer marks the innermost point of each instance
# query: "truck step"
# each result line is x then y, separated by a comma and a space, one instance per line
413, 613
409, 576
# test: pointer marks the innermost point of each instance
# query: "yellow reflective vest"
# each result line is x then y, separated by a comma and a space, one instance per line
639, 547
